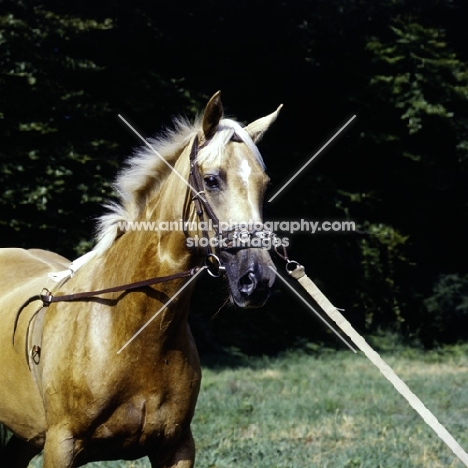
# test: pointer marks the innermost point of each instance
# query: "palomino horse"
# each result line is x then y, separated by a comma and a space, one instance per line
77, 392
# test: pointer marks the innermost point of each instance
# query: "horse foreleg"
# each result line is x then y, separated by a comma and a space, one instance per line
59, 449
184, 457
17, 453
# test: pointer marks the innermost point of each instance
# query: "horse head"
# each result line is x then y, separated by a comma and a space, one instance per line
233, 183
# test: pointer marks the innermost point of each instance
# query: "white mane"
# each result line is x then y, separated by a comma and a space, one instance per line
144, 172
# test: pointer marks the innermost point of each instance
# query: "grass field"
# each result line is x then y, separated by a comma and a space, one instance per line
328, 409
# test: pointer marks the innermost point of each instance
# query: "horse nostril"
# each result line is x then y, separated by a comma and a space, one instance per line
248, 283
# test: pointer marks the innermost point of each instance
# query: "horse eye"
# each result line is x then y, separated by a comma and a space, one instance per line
211, 182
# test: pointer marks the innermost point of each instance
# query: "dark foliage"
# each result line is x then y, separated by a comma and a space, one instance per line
400, 170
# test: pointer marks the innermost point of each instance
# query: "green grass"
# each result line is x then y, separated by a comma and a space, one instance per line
332, 409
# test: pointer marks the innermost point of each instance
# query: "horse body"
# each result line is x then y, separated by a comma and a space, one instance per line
91, 397
96, 399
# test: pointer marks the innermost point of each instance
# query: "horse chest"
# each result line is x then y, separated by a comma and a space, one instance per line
152, 414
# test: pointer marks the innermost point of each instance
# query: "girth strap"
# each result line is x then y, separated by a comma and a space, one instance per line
33, 345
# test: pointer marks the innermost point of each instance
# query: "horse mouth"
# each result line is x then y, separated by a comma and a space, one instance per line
255, 301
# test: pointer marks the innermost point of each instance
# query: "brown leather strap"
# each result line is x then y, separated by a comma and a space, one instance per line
24, 305
194, 190
48, 298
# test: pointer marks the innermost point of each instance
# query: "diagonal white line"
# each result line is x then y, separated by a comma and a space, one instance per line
312, 309
161, 309
384, 368
312, 158
159, 156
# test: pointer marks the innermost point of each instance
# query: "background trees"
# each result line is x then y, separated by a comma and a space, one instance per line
400, 170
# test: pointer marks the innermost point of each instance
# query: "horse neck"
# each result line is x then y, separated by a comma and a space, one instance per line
159, 247
143, 254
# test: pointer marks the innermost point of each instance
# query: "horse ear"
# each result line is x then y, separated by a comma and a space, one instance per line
212, 115
256, 129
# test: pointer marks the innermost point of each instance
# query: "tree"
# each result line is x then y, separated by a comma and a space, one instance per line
61, 75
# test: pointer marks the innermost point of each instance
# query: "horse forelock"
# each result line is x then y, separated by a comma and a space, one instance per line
144, 172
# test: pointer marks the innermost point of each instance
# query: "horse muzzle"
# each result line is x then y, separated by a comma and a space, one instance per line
249, 275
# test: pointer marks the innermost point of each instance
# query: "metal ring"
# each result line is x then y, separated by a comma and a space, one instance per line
294, 263
219, 267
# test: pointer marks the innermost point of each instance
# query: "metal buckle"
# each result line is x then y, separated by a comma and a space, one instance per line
46, 297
